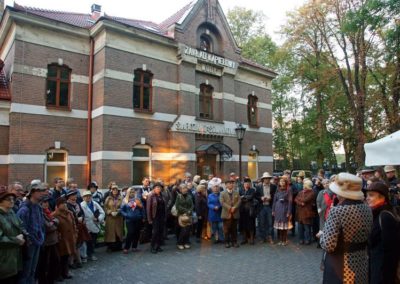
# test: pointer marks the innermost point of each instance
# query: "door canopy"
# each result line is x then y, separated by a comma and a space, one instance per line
221, 149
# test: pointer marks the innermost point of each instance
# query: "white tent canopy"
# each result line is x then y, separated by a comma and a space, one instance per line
385, 151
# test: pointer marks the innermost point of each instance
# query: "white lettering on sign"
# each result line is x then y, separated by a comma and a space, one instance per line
203, 128
209, 57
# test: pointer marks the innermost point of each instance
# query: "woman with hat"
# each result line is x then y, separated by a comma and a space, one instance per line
94, 215
383, 248
156, 216
11, 239
282, 210
67, 235
114, 230
184, 208
97, 196
48, 270
346, 233
305, 200
83, 233
214, 210
247, 220
132, 210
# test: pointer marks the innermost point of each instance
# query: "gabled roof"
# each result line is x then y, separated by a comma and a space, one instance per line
178, 17
71, 18
147, 25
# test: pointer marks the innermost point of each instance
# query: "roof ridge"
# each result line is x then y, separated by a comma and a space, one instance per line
181, 12
37, 9
130, 19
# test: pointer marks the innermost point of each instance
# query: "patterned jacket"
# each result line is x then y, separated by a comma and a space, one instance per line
344, 238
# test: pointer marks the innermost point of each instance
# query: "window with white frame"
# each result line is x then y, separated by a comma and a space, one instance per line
56, 165
141, 163
252, 165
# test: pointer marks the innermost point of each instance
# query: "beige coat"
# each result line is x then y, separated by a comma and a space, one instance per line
227, 204
114, 224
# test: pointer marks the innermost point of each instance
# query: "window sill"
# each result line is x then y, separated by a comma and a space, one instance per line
253, 126
209, 120
50, 107
143, 111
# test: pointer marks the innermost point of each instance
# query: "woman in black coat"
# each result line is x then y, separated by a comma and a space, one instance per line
201, 210
383, 249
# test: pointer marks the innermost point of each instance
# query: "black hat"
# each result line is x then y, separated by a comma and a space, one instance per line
229, 181
45, 198
71, 192
92, 184
60, 200
381, 188
247, 179
158, 184
365, 170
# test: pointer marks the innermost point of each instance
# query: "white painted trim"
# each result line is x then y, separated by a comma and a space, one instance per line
42, 110
39, 160
173, 157
245, 158
111, 155
3, 159
129, 112
4, 117
77, 160
128, 77
42, 72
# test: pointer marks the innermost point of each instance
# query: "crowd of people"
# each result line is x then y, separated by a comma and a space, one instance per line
45, 232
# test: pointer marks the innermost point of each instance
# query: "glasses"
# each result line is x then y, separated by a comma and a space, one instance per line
10, 199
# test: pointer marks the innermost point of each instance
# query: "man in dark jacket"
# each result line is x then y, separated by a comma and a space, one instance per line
393, 182
265, 194
57, 192
31, 215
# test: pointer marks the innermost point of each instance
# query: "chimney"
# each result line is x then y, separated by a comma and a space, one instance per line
96, 11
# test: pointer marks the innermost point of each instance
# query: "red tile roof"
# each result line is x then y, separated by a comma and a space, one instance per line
75, 19
87, 21
179, 16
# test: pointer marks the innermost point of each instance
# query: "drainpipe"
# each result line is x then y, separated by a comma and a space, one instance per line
89, 119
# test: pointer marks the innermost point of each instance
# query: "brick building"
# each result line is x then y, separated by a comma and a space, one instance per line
98, 97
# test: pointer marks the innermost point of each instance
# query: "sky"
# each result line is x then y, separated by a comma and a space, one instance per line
158, 10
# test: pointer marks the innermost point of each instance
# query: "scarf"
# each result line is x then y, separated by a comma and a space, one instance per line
381, 203
132, 204
48, 214
91, 206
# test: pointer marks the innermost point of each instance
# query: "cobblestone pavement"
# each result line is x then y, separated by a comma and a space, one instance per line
206, 263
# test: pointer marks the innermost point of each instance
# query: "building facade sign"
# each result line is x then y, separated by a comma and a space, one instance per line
191, 125
209, 57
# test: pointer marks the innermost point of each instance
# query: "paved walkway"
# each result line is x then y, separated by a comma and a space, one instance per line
206, 263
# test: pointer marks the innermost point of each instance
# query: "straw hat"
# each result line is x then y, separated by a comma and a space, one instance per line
266, 175
348, 186
389, 169
86, 192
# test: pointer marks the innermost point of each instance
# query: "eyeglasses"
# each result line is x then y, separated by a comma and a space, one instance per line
11, 199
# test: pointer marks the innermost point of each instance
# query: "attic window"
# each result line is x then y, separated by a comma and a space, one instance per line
205, 43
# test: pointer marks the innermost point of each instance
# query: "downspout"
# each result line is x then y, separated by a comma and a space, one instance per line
89, 119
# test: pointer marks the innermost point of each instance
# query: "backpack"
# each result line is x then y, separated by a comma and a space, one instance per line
396, 216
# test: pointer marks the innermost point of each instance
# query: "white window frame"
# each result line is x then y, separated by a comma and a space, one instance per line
55, 164
253, 160
142, 159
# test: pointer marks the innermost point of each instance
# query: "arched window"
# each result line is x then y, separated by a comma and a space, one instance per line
56, 165
206, 43
252, 111
205, 101
141, 163
58, 86
142, 90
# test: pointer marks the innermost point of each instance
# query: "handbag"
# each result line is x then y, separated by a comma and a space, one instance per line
174, 212
195, 219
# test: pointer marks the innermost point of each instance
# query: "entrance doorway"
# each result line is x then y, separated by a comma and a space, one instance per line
207, 155
206, 165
